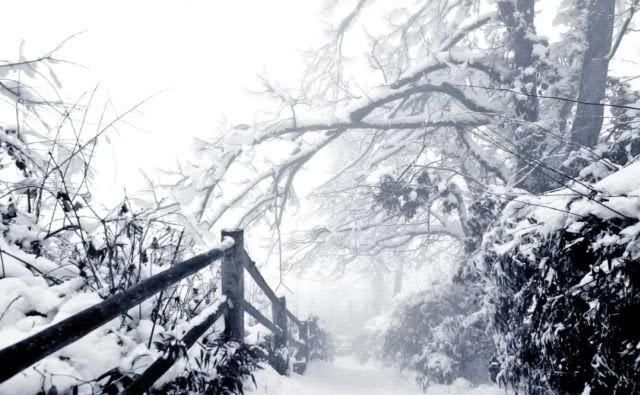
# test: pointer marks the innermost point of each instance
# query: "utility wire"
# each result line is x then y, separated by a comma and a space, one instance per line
546, 96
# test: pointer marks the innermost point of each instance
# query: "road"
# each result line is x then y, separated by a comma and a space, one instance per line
347, 377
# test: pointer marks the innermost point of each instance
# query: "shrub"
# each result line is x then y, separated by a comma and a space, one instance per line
221, 367
320, 344
60, 253
566, 295
439, 335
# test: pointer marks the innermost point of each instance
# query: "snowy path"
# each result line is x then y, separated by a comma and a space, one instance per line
347, 377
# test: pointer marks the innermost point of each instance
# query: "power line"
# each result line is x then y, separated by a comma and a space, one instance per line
546, 96
530, 161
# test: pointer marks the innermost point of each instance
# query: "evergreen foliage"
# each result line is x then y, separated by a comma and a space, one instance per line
222, 367
320, 344
566, 294
439, 335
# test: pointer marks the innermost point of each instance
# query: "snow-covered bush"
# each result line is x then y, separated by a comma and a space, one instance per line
566, 289
320, 341
282, 359
61, 252
439, 335
221, 367
62, 276
368, 344
621, 139
58, 266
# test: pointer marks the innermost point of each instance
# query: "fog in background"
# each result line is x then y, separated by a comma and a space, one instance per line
195, 65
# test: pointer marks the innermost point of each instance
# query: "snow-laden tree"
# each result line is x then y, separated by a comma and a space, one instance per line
454, 107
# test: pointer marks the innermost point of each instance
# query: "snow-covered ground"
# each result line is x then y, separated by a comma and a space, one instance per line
347, 377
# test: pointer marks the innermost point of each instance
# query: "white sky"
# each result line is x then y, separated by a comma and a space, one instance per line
201, 54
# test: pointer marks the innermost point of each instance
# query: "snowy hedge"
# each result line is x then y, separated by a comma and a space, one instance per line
40, 287
61, 252
566, 275
439, 334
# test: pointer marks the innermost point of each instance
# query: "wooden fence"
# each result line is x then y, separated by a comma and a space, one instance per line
235, 261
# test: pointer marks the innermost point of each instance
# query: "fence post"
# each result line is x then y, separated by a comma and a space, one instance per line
281, 356
279, 314
304, 336
233, 286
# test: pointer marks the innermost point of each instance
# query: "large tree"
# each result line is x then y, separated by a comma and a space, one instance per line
461, 106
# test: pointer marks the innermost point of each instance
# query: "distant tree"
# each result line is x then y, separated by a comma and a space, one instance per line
438, 333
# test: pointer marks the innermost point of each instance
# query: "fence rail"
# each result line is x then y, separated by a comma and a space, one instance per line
235, 261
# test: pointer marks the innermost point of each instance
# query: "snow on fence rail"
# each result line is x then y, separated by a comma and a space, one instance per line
235, 261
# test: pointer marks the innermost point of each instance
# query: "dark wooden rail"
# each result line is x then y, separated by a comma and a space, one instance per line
255, 313
235, 260
276, 302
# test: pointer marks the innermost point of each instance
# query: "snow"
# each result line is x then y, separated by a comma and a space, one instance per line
227, 243
73, 361
617, 194
255, 333
29, 304
207, 311
347, 377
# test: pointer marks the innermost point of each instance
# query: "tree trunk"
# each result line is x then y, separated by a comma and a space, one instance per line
595, 66
518, 17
